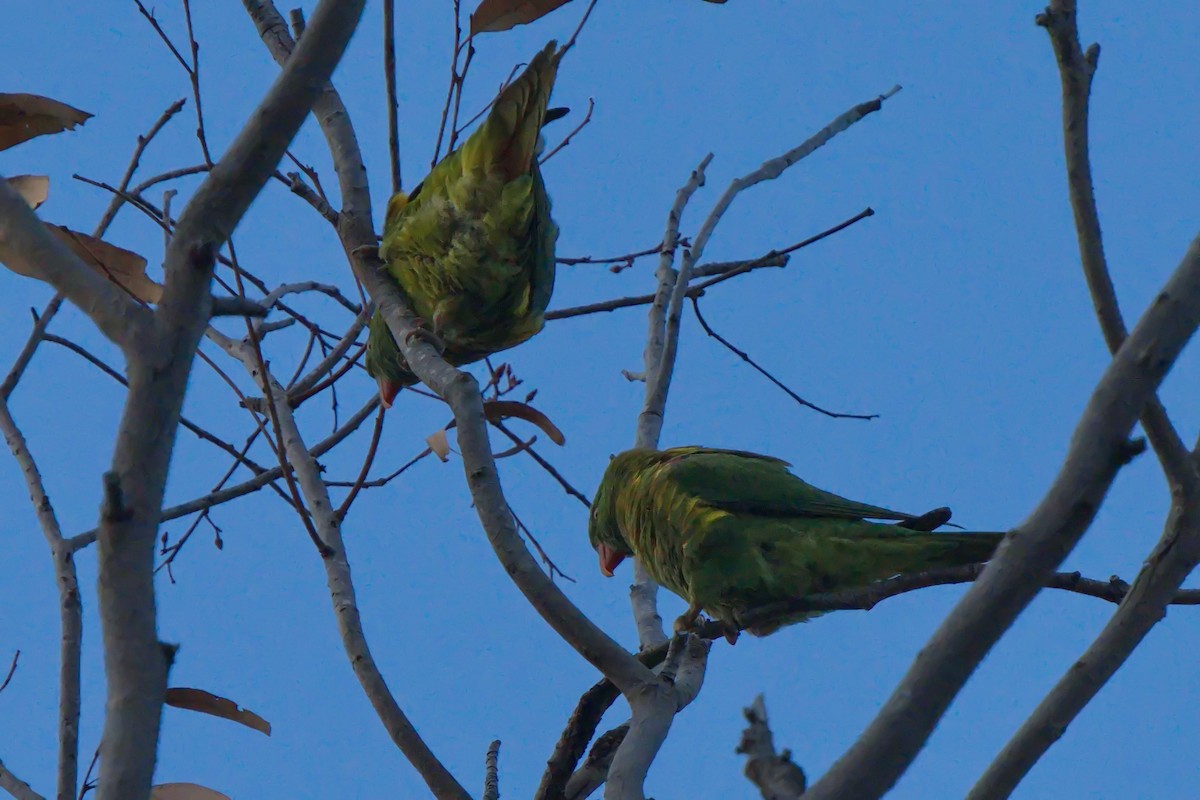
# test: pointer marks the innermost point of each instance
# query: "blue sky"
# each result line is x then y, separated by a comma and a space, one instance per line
958, 313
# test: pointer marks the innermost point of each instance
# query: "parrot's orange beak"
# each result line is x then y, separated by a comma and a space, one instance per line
609, 559
387, 391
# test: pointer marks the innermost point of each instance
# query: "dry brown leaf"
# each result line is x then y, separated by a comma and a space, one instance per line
24, 116
207, 703
123, 267
493, 16
34, 188
185, 791
439, 445
497, 410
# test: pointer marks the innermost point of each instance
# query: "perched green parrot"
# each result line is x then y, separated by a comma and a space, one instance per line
473, 245
730, 531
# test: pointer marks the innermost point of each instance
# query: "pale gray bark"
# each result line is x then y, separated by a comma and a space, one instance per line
70, 608
339, 580
1178, 551
158, 367
775, 774
646, 730
1099, 447
16, 787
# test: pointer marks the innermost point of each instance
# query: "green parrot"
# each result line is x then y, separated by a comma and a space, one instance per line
472, 246
730, 531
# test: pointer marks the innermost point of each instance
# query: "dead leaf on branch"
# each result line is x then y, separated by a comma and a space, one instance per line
33, 188
123, 267
25, 116
494, 16
185, 791
497, 410
208, 703
439, 445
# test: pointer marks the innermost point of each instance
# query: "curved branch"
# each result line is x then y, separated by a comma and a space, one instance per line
334, 558
1178, 550
18, 788
593, 704
69, 607
1144, 606
158, 369
27, 248
1075, 71
1099, 448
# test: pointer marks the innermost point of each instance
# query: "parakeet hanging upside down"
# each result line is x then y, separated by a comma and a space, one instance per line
730, 531
473, 245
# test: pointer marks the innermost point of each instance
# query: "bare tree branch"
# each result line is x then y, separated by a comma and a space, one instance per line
461, 392
742, 354
647, 729
717, 271
69, 607
776, 775
491, 778
260, 480
12, 670
1098, 449
28, 248
1145, 605
143, 142
341, 586
18, 788
389, 74
459, 389
591, 775
1178, 551
158, 368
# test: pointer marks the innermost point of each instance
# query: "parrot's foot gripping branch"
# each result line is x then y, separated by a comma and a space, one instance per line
428, 335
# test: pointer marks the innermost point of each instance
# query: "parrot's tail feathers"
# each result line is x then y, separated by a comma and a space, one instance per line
929, 521
515, 122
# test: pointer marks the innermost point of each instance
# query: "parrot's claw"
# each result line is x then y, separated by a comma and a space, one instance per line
429, 336
366, 251
687, 621
731, 632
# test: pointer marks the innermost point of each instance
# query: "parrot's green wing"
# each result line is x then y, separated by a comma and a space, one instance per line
743, 482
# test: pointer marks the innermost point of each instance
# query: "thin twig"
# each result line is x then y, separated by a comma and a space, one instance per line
70, 608
567, 139
368, 460
742, 355
720, 270
624, 261
143, 142
455, 82
12, 668
389, 74
217, 498
194, 75
578, 28
551, 568
544, 464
